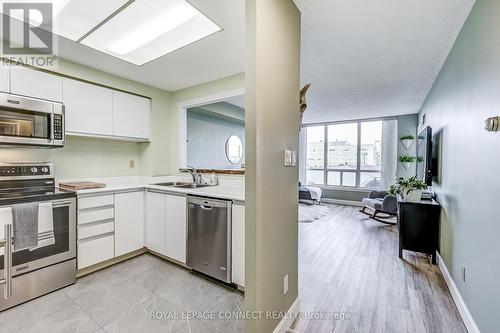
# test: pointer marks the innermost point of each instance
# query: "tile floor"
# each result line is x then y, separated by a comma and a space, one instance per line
144, 294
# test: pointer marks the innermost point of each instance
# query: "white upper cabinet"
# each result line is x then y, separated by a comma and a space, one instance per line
129, 222
176, 227
91, 110
238, 245
131, 115
4, 78
154, 236
88, 108
33, 83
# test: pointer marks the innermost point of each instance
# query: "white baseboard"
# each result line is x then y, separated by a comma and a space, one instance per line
342, 202
288, 319
469, 322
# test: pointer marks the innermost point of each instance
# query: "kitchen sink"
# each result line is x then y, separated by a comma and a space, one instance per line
183, 185
174, 184
193, 185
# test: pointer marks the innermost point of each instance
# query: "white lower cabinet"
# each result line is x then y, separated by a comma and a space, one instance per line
95, 250
111, 225
175, 230
238, 245
95, 231
129, 222
154, 227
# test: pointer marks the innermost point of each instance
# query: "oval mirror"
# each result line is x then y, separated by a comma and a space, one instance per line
234, 149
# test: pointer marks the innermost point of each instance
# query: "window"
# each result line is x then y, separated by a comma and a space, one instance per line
351, 154
315, 155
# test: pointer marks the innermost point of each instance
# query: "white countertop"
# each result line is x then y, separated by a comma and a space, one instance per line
230, 189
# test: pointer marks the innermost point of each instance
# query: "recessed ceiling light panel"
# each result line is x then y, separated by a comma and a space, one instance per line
71, 19
148, 29
75, 18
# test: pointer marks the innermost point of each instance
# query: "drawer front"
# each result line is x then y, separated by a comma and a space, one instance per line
99, 201
91, 230
95, 215
94, 251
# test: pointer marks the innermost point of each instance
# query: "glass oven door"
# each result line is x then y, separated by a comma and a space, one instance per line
64, 248
25, 120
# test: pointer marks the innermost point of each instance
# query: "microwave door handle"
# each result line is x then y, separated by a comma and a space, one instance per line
26, 103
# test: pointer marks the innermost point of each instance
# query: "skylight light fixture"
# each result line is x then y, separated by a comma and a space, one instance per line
148, 29
71, 19
161, 24
136, 31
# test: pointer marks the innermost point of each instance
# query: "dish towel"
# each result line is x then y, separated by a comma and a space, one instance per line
5, 218
45, 226
25, 225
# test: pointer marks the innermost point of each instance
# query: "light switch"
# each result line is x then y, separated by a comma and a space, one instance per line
287, 160
294, 158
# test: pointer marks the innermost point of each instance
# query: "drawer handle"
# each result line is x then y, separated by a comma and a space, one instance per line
90, 224
90, 209
91, 238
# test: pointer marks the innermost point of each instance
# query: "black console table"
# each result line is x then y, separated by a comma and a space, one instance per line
418, 226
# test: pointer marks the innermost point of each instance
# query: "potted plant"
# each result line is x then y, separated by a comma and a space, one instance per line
406, 160
411, 188
407, 140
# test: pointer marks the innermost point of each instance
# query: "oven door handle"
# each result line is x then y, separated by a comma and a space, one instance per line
61, 204
7, 261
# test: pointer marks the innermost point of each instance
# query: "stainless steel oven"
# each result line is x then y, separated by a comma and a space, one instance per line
29, 273
27, 121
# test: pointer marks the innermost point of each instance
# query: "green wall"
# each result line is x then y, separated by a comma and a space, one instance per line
407, 124
465, 93
88, 157
202, 90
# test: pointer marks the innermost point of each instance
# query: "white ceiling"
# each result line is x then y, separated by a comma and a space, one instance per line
374, 58
214, 57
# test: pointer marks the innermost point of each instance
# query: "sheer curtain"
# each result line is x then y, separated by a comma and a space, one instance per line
302, 155
389, 152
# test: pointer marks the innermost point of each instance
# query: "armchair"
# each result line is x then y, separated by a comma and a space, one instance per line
380, 202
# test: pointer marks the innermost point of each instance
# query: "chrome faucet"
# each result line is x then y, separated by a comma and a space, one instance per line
193, 172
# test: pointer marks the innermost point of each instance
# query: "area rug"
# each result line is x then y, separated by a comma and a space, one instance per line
311, 213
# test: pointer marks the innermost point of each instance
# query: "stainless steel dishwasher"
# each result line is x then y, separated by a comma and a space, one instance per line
209, 237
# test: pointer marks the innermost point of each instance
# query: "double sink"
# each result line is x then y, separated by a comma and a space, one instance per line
182, 185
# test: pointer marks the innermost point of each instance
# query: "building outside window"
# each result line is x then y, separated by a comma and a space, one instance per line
358, 154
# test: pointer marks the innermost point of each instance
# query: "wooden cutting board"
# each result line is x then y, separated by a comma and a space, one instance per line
76, 186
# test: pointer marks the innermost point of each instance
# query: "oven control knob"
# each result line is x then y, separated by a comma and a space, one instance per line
45, 169
34, 170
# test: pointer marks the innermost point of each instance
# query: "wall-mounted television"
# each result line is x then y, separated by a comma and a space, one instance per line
424, 155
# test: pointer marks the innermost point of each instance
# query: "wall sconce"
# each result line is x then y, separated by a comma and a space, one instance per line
492, 124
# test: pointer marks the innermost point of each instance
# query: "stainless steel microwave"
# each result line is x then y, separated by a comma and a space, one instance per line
28, 121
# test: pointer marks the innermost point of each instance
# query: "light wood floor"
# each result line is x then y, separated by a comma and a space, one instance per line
349, 264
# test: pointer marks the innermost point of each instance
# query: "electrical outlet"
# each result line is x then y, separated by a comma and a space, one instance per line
285, 284
462, 273
131, 164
